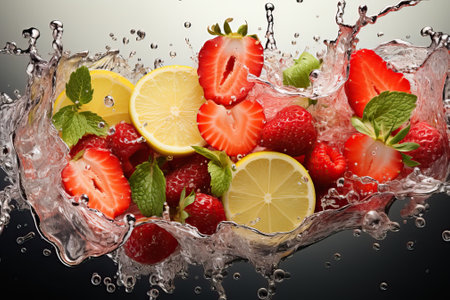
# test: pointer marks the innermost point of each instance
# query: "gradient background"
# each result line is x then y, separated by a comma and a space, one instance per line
410, 274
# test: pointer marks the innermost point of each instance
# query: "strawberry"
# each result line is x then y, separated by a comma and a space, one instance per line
369, 75
97, 173
325, 164
235, 130
88, 141
127, 144
149, 244
192, 175
368, 157
432, 144
202, 211
291, 131
225, 61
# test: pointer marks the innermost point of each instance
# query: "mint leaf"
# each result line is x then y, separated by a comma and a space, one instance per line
148, 188
63, 115
79, 89
73, 128
220, 178
361, 127
388, 111
95, 124
219, 168
298, 74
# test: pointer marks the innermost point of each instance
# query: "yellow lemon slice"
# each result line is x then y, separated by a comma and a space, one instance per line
110, 100
164, 106
271, 192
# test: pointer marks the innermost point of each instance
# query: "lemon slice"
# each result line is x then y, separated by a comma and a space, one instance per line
271, 192
164, 106
110, 100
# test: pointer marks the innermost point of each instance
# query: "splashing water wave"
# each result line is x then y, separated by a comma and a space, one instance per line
33, 155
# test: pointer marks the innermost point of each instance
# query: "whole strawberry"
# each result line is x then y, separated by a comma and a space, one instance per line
192, 175
202, 211
89, 141
325, 164
291, 131
127, 144
149, 244
431, 143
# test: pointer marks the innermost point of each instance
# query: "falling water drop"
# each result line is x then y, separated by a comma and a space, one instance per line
383, 286
410, 245
96, 279
108, 101
420, 222
262, 293
446, 235
187, 24
198, 290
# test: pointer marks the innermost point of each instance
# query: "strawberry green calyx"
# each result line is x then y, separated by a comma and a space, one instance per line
384, 114
241, 32
184, 202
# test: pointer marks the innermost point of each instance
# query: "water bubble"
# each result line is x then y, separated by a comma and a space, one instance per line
372, 219
294, 42
337, 256
107, 280
153, 293
316, 38
96, 279
357, 232
140, 35
22, 239
376, 246
236, 276
153, 46
410, 245
108, 101
427, 30
446, 235
187, 24
198, 290
262, 292
111, 288
278, 275
158, 63
314, 75
23, 250
380, 34
46, 252
296, 35
125, 40
383, 286
132, 31
270, 6
172, 54
101, 124
420, 222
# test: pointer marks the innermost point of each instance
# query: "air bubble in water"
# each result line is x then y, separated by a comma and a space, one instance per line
22, 239
96, 279
236, 276
337, 256
420, 222
262, 293
383, 286
327, 264
46, 252
108, 101
110, 287
153, 293
376, 246
278, 275
410, 245
446, 235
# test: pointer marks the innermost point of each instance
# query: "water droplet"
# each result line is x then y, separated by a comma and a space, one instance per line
172, 54
132, 31
153, 293
198, 290
294, 42
278, 275
383, 286
46, 252
22, 239
108, 101
110, 287
23, 250
327, 264
380, 34
262, 292
376, 246
236, 276
299, 1
187, 24
337, 256
140, 35
101, 124
270, 6
296, 35
410, 245
314, 75
446, 235
357, 232
153, 46
420, 222
107, 280
96, 279
125, 40
316, 38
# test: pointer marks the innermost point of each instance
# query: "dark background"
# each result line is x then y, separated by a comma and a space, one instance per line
315, 274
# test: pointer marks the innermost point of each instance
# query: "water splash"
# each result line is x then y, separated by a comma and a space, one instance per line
79, 232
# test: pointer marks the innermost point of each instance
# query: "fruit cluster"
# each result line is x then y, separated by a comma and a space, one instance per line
132, 169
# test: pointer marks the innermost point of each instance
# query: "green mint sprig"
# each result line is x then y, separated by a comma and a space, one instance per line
184, 202
148, 188
219, 168
73, 123
384, 114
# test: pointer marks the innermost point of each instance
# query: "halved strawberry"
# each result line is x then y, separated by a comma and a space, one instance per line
225, 62
368, 157
368, 77
97, 173
235, 130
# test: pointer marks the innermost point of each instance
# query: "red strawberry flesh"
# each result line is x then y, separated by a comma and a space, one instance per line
205, 213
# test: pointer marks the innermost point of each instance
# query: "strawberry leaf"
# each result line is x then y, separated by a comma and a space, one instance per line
406, 147
226, 26
399, 136
361, 127
407, 160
